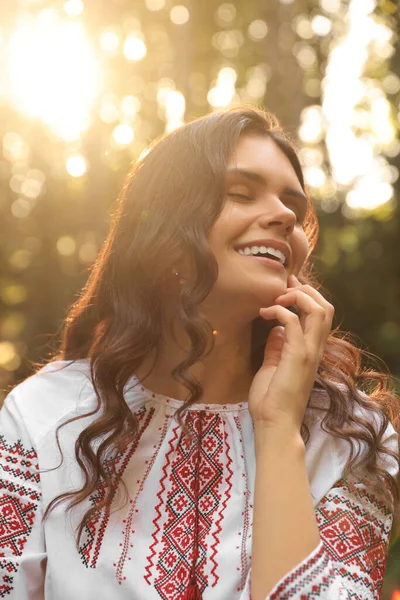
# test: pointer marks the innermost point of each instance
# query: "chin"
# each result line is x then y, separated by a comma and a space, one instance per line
271, 290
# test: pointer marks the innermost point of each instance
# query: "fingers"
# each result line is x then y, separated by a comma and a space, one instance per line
293, 331
320, 310
288, 298
308, 289
313, 319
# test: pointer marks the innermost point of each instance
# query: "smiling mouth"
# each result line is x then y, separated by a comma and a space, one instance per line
267, 259
279, 259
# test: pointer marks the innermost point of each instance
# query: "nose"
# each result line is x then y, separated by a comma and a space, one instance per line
280, 216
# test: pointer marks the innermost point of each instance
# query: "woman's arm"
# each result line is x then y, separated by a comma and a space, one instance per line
340, 549
22, 548
285, 529
353, 523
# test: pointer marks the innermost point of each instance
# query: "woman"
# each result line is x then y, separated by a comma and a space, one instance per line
118, 483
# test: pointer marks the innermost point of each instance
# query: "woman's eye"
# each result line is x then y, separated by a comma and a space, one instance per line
243, 196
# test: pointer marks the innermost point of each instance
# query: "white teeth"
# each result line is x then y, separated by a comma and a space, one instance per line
263, 250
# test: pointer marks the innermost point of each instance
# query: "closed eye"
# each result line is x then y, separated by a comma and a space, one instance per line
243, 196
298, 208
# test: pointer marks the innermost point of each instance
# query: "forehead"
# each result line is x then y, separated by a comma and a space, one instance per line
261, 154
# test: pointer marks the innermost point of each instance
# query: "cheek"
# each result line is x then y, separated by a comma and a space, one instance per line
226, 228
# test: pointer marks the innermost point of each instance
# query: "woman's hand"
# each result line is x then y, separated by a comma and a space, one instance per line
281, 388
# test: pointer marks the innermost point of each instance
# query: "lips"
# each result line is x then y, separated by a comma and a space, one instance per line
278, 245
268, 262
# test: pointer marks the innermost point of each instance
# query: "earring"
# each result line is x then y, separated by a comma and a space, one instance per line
176, 273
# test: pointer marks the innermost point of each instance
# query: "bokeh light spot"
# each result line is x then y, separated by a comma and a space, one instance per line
9, 359
109, 40
226, 12
155, 4
20, 259
88, 252
54, 73
391, 83
330, 6
13, 294
257, 30
224, 92
179, 14
321, 25
12, 325
329, 205
21, 208
76, 165
311, 129
129, 107
123, 134
134, 48
305, 55
314, 176
303, 28
73, 8
15, 148
66, 245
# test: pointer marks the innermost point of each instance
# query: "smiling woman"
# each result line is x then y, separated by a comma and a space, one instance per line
201, 417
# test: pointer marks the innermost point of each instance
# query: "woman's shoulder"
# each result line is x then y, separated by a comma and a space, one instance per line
57, 380
361, 413
53, 393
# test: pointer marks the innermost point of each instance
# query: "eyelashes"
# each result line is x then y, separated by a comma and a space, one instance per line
300, 214
243, 196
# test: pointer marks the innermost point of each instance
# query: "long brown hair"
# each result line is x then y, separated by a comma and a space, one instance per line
169, 203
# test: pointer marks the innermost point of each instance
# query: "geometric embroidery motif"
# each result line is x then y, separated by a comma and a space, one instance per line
94, 531
350, 562
128, 523
18, 506
189, 463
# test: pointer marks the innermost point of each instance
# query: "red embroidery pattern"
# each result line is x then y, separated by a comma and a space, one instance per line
227, 497
245, 560
128, 522
96, 528
351, 560
18, 506
159, 506
178, 549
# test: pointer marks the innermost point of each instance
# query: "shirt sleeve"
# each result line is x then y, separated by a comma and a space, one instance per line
355, 524
350, 560
22, 547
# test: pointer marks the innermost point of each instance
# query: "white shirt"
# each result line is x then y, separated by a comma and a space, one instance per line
144, 550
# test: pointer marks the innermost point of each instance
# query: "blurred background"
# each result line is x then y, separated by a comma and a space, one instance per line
85, 85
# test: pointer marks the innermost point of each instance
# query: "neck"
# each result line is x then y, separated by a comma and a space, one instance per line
225, 374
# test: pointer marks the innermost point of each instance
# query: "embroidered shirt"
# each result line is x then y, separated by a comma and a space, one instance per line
188, 502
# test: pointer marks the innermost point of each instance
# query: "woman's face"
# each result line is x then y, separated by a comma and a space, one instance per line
264, 206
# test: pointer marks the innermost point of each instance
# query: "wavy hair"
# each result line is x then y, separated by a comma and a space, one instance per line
166, 209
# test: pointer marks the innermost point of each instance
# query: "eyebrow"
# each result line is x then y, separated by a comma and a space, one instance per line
257, 178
